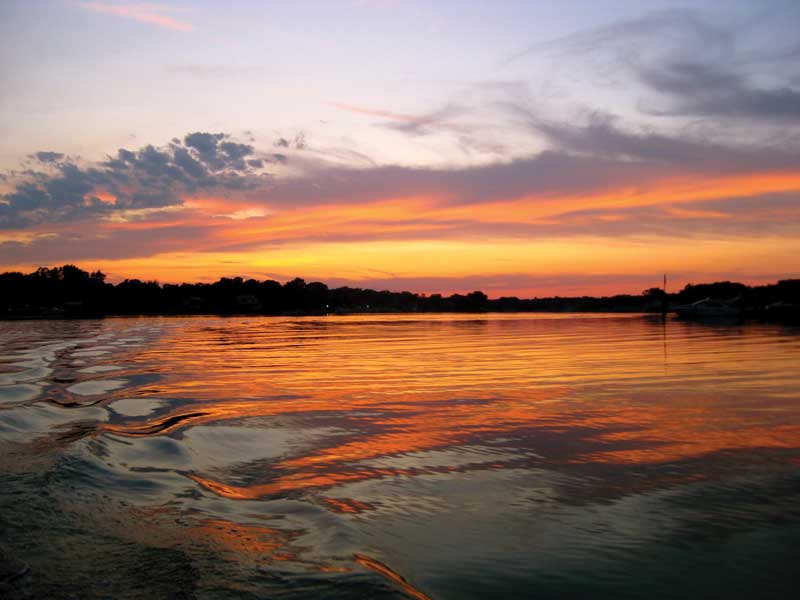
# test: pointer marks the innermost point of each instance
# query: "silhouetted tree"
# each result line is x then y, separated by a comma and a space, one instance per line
69, 291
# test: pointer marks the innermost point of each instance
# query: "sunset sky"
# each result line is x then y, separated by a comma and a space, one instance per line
518, 147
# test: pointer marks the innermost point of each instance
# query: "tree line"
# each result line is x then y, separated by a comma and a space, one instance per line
70, 291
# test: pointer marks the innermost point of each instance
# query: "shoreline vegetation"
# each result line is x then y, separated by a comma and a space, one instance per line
70, 292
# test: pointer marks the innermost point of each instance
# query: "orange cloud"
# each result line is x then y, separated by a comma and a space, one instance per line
444, 230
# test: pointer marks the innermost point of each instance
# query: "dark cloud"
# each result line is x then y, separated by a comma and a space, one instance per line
601, 135
47, 157
235, 151
323, 183
298, 142
712, 90
150, 177
206, 145
64, 194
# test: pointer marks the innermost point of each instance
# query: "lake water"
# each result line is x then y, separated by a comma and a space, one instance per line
397, 456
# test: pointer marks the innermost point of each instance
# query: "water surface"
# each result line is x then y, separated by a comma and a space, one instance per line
422, 456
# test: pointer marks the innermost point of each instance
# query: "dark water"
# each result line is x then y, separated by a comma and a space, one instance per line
441, 457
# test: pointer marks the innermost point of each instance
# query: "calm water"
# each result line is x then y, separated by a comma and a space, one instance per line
443, 457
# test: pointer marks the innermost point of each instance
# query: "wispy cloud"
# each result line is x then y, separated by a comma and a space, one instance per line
154, 14
385, 114
681, 64
408, 123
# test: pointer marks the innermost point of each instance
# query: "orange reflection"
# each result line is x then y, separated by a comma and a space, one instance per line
347, 505
165, 527
259, 543
660, 434
391, 575
411, 425
402, 396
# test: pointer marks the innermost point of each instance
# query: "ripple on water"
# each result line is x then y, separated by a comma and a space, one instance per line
98, 386
90, 353
24, 423
470, 458
19, 393
101, 369
232, 452
33, 372
136, 407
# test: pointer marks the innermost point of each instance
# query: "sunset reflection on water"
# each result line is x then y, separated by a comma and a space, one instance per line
449, 456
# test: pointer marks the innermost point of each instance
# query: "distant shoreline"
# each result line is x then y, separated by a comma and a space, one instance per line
50, 317
68, 292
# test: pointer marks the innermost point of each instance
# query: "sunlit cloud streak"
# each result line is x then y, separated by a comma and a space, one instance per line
151, 13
